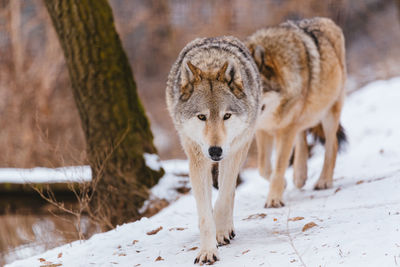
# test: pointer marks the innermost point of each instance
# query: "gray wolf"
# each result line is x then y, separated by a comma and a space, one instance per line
303, 71
212, 94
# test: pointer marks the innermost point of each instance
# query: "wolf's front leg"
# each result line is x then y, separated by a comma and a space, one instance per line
223, 209
200, 177
284, 145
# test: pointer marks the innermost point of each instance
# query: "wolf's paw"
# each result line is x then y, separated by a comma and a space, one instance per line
225, 236
322, 184
299, 180
207, 256
299, 183
274, 203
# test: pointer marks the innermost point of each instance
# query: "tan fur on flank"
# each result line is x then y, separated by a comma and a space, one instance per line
303, 70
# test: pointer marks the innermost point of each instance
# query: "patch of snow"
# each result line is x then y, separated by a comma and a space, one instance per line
176, 175
357, 221
46, 175
152, 161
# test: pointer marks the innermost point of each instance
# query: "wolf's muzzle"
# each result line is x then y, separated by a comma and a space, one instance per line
215, 153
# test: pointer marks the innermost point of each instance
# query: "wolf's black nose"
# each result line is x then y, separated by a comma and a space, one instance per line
215, 153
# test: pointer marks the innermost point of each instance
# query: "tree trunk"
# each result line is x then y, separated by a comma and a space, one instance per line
116, 128
398, 8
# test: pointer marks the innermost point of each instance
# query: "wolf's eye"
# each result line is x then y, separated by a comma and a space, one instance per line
227, 116
201, 117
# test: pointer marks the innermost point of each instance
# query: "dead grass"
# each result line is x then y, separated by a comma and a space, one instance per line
36, 103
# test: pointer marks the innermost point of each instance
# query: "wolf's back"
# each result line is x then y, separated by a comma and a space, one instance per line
326, 28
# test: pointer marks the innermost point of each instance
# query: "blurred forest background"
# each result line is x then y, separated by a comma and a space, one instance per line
39, 122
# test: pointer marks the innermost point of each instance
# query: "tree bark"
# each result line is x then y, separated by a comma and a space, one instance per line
398, 9
116, 128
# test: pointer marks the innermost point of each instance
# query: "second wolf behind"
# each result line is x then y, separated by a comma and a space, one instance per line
303, 70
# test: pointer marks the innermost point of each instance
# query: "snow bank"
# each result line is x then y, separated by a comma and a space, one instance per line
152, 161
356, 223
46, 175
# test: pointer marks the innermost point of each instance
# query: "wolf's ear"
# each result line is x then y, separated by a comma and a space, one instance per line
190, 75
262, 61
193, 72
229, 74
258, 53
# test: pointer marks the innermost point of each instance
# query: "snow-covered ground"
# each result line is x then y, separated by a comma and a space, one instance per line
357, 221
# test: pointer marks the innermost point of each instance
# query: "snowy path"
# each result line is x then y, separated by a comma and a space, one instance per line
357, 221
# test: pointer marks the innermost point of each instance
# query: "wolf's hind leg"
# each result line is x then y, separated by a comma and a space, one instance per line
223, 210
264, 151
300, 160
284, 146
330, 124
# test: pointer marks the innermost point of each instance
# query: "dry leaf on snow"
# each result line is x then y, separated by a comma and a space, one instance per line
296, 219
159, 258
178, 228
244, 252
155, 231
308, 226
256, 216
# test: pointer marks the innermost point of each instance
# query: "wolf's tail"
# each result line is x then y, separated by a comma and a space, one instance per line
318, 135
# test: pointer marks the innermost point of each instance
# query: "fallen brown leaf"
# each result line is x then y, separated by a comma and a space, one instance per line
159, 258
360, 182
134, 242
178, 228
155, 231
338, 189
296, 219
59, 255
51, 265
244, 252
193, 248
42, 260
256, 216
275, 219
122, 254
308, 226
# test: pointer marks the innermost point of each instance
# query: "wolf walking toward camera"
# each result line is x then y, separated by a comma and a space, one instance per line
303, 71
213, 93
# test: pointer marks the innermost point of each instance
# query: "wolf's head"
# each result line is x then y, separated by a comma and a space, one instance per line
269, 71
213, 107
